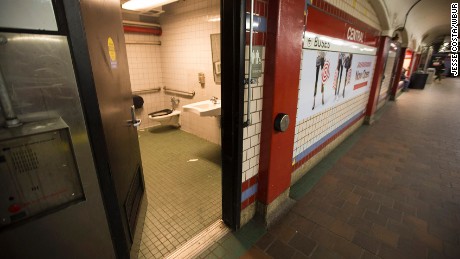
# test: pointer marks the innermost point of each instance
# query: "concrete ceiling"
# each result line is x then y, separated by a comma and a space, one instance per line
427, 22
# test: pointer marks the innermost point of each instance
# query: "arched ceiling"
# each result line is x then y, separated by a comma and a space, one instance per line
427, 22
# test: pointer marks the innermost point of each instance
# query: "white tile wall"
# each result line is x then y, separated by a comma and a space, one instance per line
360, 9
311, 130
144, 63
185, 52
251, 134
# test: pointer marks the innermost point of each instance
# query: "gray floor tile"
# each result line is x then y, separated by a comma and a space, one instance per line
184, 197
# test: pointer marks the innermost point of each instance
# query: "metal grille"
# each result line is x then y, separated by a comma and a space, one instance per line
133, 201
24, 159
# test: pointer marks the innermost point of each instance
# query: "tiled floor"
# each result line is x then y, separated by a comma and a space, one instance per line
392, 190
183, 182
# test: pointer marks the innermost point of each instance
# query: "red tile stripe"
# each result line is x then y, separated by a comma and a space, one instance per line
260, 7
258, 39
248, 201
245, 185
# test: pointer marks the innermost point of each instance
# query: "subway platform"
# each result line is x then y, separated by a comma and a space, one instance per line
391, 190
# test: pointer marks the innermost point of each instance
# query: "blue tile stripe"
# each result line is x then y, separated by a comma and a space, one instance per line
259, 23
249, 192
327, 137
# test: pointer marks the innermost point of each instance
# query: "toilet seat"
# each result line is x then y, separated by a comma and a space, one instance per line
171, 119
160, 113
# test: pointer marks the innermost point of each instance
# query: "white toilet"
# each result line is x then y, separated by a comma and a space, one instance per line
171, 119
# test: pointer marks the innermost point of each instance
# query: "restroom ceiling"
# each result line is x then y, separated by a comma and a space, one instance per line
138, 16
150, 13
427, 22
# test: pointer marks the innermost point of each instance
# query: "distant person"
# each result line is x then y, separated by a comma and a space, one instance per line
406, 81
439, 70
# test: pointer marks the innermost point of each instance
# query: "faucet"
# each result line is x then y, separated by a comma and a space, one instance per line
214, 100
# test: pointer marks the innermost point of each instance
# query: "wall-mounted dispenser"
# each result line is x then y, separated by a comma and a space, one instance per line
201, 79
217, 67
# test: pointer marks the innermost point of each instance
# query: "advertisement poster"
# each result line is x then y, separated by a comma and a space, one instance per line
329, 78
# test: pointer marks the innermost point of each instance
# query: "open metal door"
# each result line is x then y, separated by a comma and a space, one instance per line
99, 43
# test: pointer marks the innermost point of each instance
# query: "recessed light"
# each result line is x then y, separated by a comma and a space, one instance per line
145, 5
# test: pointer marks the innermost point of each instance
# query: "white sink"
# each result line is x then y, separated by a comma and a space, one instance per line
203, 108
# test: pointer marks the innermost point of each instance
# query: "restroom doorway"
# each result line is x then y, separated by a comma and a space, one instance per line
182, 161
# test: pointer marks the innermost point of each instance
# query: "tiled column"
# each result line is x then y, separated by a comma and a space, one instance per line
412, 61
394, 87
282, 70
382, 54
416, 59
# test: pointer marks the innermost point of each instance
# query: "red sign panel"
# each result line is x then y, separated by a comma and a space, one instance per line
322, 23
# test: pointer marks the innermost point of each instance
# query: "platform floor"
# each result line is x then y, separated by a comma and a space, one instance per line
392, 190
183, 182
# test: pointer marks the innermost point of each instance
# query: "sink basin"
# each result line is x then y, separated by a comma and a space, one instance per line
203, 108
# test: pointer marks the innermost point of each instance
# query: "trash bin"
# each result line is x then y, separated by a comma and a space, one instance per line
431, 71
418, 80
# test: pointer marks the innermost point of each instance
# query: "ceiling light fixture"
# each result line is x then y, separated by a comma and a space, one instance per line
145, 5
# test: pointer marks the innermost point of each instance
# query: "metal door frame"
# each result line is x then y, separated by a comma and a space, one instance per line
233, 33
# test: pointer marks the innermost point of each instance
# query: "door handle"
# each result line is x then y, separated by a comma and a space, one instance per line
134, 122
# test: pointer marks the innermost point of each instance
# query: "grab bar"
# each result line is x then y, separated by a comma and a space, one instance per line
250, 80
192, 93
158, 43
145, 91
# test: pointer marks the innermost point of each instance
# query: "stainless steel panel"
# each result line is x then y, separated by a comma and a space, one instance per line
39, 75
38, 172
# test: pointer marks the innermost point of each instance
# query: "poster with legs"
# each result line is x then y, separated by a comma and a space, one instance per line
318, 91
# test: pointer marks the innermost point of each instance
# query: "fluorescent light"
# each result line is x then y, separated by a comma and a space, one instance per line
145, 5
